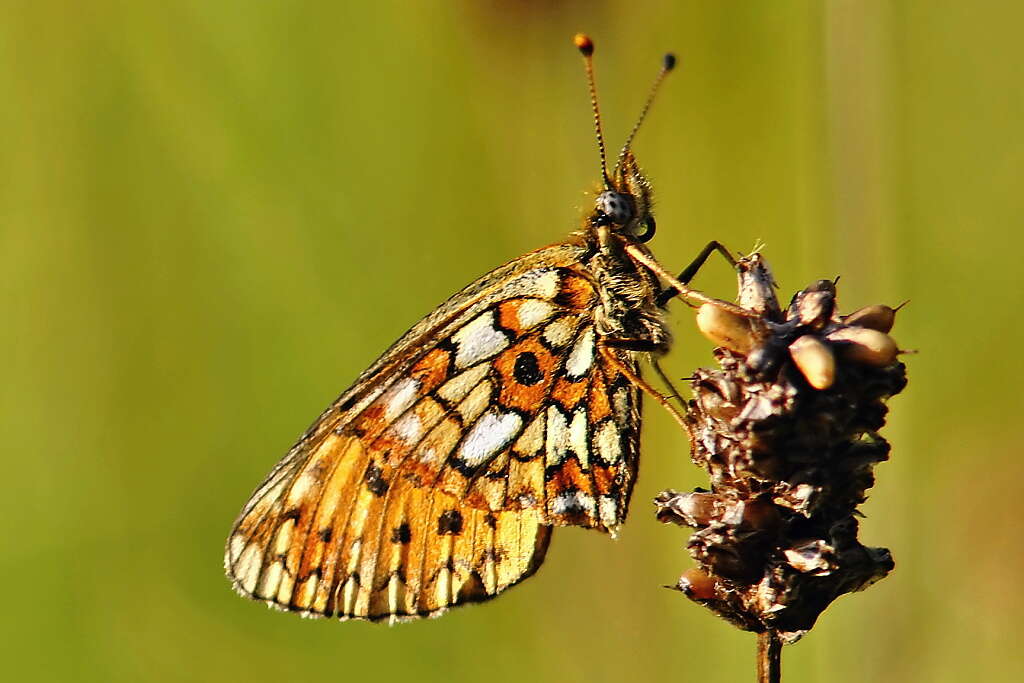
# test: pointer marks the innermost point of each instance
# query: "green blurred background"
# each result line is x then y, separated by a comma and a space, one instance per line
214, 215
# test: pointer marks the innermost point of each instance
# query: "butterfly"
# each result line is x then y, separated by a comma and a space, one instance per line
513, 408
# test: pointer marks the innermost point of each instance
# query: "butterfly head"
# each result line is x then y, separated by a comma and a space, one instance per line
624, 204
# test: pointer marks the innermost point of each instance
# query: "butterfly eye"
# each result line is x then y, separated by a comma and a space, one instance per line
617, 207
646, 229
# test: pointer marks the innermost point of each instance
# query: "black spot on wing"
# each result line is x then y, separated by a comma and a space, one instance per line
449, 523
374, 481
401, 534
527, 370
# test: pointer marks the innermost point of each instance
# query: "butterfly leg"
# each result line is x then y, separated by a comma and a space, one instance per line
647, 346
691, 270
680, 289
607, 348
664, 378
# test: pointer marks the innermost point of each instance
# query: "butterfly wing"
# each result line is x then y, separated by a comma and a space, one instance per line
436, 479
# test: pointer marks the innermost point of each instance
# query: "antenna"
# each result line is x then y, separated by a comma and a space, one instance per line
586, 47
667, 64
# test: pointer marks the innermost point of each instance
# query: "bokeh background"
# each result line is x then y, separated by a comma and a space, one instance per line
214, 215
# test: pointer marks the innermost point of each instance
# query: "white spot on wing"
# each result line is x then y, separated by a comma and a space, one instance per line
301, 487
607, 443
609, 511
284, 591
307, 590
237, 544
270, 581
478, 340
353, 555
399, 397
395, 589
557, 436
572, 501
542, 283
581, 356
247, 570
564, 436
442, 590
283, 540
620, 404
409, 427
533, 312
578, 437
348, 595
489, 435
490, 574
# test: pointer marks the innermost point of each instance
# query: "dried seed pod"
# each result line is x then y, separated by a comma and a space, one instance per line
815, 360
697, 585
865, 345
776, 536
725, 328
757, 288
815, 305
877, 317
695, 509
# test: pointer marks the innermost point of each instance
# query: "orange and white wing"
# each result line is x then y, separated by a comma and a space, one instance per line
436, 479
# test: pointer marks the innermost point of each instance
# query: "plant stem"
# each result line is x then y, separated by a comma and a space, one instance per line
769, 657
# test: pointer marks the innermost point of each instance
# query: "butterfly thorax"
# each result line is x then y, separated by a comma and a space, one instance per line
629, 315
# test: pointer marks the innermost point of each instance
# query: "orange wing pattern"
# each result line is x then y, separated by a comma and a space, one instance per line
327, 542
436, 479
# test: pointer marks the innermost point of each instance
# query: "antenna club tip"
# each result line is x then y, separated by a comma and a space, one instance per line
669, 61
584, 44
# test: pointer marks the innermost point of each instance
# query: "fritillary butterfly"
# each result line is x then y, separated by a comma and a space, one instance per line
514, 407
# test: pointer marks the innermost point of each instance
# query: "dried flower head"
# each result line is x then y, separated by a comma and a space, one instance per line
787, 428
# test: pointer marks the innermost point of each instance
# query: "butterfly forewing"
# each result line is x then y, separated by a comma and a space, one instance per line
436, 479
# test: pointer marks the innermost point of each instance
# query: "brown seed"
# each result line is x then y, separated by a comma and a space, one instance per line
725, 329
761, 515
697, 585
814, 308
815, 360
695, 509
865, 345
698, 508
878, 317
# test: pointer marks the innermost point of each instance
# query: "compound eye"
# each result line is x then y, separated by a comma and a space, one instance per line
616, 206
647, 230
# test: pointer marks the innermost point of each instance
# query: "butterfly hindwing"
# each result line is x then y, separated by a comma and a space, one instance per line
436, 479
408, 551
